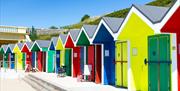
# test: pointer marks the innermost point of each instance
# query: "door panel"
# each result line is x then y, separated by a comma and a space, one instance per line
23, 61
12, 55
82, 59
121, 64
5, 61
68, 61
57, 59
164, 48
76, 61
33, 59
39, 61
159, 62
50, 61
43, 61
91, 61
98, 64
153, 68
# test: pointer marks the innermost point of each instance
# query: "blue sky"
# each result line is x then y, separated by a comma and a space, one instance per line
44, 13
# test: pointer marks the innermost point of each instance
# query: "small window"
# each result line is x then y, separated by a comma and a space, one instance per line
57, 55
134, 51
75, 55
27, 56
12, 56
106, 53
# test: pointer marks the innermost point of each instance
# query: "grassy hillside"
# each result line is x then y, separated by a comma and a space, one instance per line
95, 20
120, 13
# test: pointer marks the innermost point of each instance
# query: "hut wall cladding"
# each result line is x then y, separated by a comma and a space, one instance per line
172, 26
178, 41
133, 32
109, 63
28, 55
19, 58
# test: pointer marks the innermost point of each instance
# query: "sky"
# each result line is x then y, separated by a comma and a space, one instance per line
45, 13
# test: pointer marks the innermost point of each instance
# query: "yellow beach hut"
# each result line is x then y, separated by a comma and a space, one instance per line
60, 51
20, 64
132, 45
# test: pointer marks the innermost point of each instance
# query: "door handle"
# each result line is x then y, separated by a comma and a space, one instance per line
156, 62
145, 61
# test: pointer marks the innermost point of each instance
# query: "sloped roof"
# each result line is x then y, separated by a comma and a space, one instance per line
74, 34
4, 47
11, 46
113, 23
90, 30
20, 45
54, 40
153, 13
29, 44
43, 43
63, 37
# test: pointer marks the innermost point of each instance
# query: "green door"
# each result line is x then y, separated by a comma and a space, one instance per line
23, 60
121, 64
51, 55
5, 60
159, 63
68, 61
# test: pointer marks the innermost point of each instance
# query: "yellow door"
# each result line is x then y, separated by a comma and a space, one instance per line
121, 64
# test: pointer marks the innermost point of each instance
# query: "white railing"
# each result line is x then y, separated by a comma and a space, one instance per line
11, 29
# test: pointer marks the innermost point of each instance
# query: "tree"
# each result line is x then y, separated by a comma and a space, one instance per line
53, 27
85, 17
33, 34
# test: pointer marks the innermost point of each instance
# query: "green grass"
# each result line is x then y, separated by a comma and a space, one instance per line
47, 37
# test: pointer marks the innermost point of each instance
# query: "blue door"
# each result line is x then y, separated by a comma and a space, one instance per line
33, 59
12, 60
82, 59
57, 59
109, 63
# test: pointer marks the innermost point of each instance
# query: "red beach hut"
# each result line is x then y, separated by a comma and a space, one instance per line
26, 49
72, 54
85, 41
171, 24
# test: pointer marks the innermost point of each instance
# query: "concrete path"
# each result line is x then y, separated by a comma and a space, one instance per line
71, 84
10, 80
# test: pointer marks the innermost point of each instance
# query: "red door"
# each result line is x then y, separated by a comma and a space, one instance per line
178, 59
76, 61
43, 61
91, 61
39, 61
98, 63
28, 58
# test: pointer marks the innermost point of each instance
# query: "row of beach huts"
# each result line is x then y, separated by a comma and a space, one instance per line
140, 52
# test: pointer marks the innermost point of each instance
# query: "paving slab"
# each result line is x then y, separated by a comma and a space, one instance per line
71, 84
11, 80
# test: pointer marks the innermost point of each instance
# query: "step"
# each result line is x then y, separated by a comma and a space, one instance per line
41, 85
